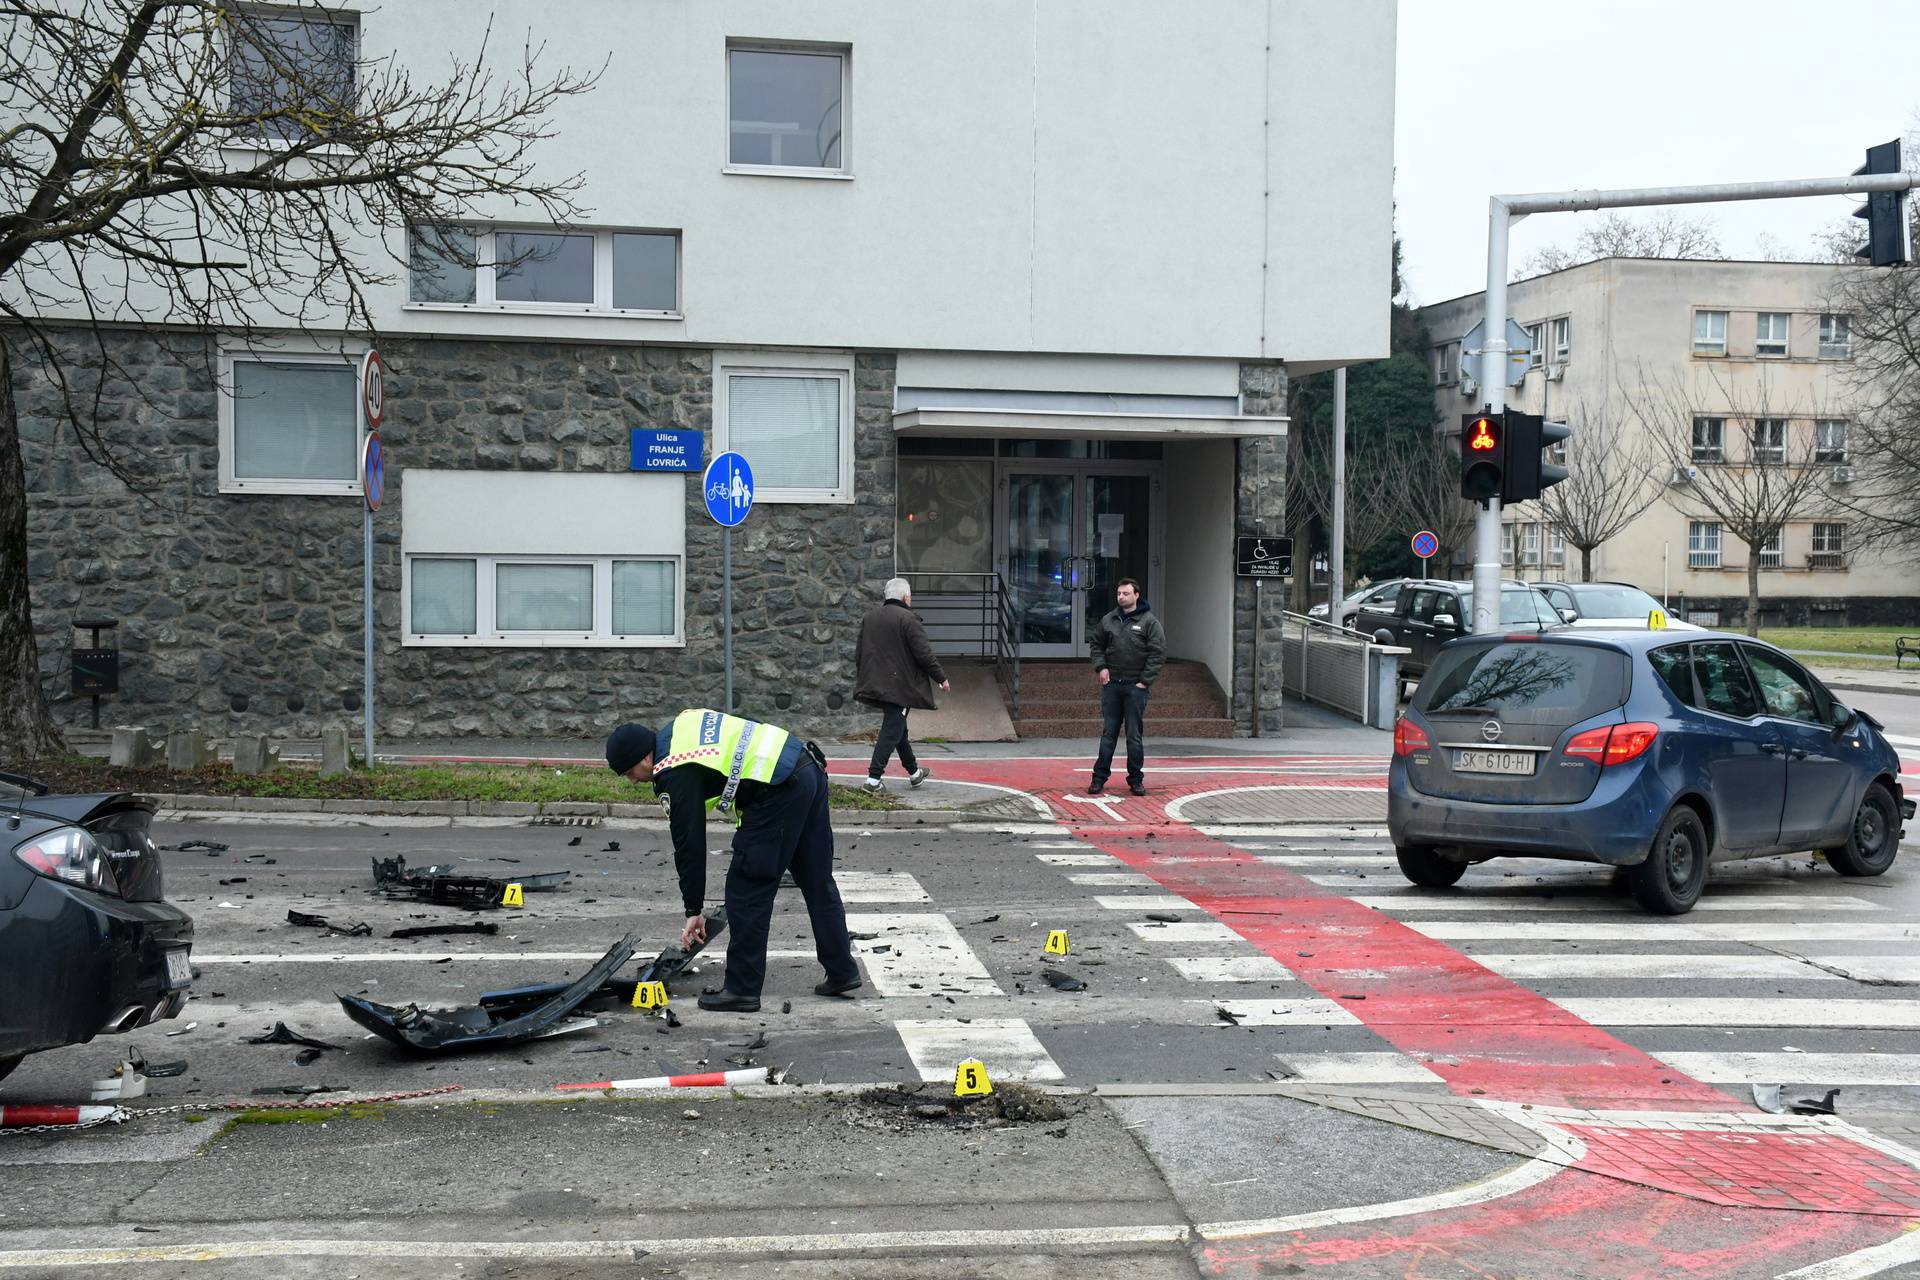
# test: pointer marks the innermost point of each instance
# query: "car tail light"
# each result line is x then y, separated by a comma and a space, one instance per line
1613, 744
1409, 737
70, 854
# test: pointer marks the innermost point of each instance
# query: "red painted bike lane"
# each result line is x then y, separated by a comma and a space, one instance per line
1674, 1177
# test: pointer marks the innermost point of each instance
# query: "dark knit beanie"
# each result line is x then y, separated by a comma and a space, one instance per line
627, 746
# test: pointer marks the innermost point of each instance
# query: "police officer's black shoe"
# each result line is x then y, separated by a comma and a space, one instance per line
833, 987
724, 1001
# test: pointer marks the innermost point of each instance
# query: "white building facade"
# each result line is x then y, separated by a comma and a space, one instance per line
1735, 364
1001, 296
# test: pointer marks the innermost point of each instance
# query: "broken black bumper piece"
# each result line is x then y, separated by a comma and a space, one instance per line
440, 884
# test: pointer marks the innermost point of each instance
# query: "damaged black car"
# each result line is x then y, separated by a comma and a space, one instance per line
88, 944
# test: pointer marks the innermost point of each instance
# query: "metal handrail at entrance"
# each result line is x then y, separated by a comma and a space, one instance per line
1340, 668
971, 614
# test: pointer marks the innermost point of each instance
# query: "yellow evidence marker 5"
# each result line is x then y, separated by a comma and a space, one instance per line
970, 1079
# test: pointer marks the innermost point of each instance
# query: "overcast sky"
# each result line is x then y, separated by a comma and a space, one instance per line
1633, 93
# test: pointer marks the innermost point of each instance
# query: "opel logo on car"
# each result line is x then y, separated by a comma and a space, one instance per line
1491, 731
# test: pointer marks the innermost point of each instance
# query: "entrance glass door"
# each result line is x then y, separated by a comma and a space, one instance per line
1072, 534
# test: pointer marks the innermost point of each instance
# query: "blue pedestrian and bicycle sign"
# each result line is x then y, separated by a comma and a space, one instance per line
729, 489
1425, 545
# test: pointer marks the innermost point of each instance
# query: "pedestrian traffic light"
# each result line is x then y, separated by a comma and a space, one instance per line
1483, 456
1528, 473
1885, 211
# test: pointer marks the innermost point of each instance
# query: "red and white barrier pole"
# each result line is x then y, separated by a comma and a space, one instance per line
35, 1117
706, 1079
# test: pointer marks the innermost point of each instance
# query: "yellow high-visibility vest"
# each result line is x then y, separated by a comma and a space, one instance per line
738, 749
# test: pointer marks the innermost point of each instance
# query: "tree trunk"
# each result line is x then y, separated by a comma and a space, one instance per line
1753, 590
1586, 564
27, 731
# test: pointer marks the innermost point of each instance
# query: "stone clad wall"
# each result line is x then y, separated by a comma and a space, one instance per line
1260, 489
223, 596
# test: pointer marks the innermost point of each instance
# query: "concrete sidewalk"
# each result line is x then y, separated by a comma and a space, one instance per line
1860, 680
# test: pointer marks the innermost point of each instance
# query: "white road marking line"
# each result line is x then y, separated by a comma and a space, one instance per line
1730, 1011
1212, 931
1039, 806
1862, 1263
1900, 741
1427, 900
1112, 877
1361, 861
1534, 968
1872, 967
1288, 1013
1509, 1182
1103, 803
926, 949
1080, 845
1176, 809
1232, 831
1007, 1047
1665, 931
1230, 968
1357, 1068
1078, 859
1821, 1068
1144, 902
430, 956
878, 886
1012, 828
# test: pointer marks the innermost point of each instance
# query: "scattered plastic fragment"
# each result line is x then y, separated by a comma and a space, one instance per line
125, 1082
194, 846
359, 929
1164, 917
283, 1034
1062, 981
439, 930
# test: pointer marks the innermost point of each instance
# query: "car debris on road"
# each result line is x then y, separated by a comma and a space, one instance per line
440, 884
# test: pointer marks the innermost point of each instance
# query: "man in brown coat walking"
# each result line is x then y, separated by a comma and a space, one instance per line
895, 671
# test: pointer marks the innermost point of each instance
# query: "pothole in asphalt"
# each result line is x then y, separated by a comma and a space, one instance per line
932, 1106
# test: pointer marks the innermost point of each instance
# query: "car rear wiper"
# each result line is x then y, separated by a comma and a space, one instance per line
1463, 711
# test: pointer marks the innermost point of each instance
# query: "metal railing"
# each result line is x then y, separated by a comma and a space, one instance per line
1340, 668
971, 615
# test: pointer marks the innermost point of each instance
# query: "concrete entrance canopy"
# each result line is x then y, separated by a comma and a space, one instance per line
1054, 423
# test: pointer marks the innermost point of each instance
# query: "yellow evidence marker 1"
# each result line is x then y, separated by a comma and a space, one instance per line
513, 897
970, 1080
649, 995
1057, 944
1657, 620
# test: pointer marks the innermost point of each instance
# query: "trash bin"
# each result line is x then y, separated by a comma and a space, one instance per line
96, 668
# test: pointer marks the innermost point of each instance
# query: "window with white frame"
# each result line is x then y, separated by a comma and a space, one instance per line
1703, 544
1529, 544
288, 75
531, 600
1829, 546
786, 109
1830, 440
1556, 547
526, 269
1443, 363
289, 424
1773, 550
1709, 333
1536, 345
1770, 333
791, 417
1562, 339
1770, 441
1836, 337
1508, 536
571, 570
1709, 439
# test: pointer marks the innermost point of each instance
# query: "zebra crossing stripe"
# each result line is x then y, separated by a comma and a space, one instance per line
1357, 1068
1664, 931
1211, 931
1547, 966
1872, 968
1426, 900
924, 949
1288, 1013
1822, 1068
1145, 902
1007, 1047
878, 886
1728, 1011
1231, 968
1110, 877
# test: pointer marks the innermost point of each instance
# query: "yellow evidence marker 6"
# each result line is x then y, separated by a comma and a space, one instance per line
1057, 944
513, 897
649, 995
970, 1080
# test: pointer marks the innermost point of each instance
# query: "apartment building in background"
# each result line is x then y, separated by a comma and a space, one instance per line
1735, 364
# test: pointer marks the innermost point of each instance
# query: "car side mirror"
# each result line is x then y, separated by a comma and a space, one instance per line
1848, 718
1568, 615
1445, 620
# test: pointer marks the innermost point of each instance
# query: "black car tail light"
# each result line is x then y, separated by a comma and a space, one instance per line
70, 854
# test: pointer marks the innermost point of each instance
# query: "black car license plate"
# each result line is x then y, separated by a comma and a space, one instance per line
1476, 761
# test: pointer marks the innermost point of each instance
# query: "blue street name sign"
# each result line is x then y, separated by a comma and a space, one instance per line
666, 450
729, 489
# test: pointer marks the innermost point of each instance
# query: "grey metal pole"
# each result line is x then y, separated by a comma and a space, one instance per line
726, 609
1337, 576
1493, 371
366, 628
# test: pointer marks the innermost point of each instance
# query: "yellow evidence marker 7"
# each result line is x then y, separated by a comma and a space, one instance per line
970, 1079
512, 897
1057, 944
649, 995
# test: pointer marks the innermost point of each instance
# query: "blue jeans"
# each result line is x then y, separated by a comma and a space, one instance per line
1122, 700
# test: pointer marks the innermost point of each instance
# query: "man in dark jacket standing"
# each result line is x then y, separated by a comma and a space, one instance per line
1128, 648
895, 670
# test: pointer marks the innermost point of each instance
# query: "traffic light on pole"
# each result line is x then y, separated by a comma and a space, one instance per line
1885, 211
1528, 473
1483, 456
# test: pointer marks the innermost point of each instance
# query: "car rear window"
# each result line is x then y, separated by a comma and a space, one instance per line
1516, 606
1615, 602
1527, 682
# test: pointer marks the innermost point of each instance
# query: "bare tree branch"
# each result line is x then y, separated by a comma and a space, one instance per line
1612, 476
1662, 234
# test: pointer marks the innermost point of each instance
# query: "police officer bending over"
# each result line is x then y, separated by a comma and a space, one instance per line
777, 792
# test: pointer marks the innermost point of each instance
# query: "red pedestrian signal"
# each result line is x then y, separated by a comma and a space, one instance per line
1485, 436
1483, 456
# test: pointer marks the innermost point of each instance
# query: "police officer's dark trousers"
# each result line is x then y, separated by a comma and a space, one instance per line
786, 828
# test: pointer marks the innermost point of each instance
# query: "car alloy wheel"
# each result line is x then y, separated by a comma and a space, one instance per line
1872, 843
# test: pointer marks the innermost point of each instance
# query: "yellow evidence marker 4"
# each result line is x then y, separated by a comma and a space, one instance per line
1057, 944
